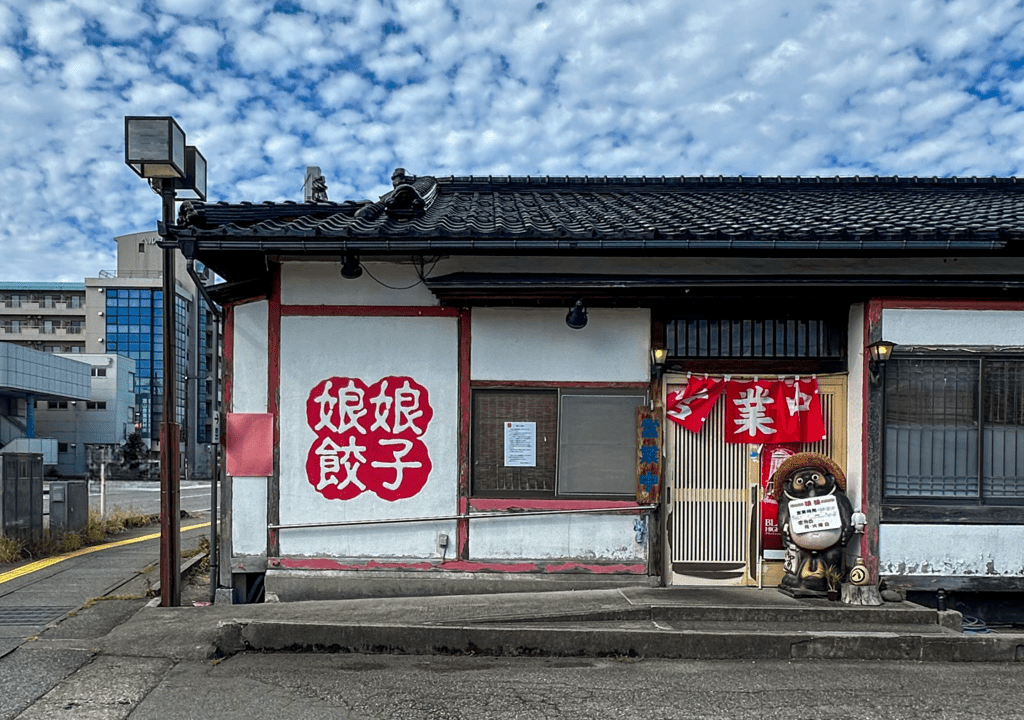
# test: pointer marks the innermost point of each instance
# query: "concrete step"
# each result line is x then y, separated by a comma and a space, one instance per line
894, 614
619, 640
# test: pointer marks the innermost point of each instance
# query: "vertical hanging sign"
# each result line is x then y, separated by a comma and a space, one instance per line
648, 456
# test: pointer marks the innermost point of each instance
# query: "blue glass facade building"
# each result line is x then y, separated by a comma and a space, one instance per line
134, 327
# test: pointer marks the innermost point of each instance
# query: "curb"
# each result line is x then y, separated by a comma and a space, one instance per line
518, 641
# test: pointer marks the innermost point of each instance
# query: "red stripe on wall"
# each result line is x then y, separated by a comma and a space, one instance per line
369, 310
461, 566
499, 504
465, 426
940, 304
556, 384
872, 317
228, 366
274, 402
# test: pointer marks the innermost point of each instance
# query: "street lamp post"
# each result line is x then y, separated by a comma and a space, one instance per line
154, 147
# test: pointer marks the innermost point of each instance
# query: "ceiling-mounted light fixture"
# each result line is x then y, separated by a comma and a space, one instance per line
576, 318
351, 269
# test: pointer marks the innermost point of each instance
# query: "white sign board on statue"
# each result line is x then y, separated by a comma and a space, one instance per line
520, 444
811, 514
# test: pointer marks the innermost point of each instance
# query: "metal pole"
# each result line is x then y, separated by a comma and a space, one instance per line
214, 370
103, 483
214, 509
170, 518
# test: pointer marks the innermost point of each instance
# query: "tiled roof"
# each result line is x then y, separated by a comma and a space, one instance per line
638, 216
815, 212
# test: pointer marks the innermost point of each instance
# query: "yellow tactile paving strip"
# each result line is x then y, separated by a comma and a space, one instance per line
47, 562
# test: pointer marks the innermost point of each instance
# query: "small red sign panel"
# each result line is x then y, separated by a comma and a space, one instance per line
249, 447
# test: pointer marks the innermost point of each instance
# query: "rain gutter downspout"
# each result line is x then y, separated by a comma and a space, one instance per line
215, 371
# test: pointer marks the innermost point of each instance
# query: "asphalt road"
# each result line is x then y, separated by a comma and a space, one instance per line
143, 496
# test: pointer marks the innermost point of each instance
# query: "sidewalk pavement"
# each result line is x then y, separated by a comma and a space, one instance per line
697, 623
676, 622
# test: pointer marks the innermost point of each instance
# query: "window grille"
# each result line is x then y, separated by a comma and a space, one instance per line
585, 441
699, 336
954, 429
491, 410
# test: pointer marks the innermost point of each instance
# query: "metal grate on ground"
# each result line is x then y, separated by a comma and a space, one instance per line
38, 615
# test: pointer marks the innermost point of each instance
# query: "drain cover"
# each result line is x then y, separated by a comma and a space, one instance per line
39, 615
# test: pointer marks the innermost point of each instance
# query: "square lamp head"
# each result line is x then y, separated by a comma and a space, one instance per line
154, 147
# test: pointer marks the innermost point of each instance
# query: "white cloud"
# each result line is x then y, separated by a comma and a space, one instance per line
594, 87
198, 40
53, 27
82, 69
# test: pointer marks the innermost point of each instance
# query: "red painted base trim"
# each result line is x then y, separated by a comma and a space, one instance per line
498, 504
946, 304
459, 566
484, 384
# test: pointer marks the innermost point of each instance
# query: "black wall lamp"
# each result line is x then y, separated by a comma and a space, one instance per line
576, 318
351, 269
658, 358
878, 353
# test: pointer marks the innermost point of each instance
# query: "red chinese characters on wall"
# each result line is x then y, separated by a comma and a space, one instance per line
368, 438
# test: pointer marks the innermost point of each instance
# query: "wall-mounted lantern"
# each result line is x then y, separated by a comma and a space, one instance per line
878, 353
658, 358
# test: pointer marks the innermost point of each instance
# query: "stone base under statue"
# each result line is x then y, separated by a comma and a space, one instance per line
861, 594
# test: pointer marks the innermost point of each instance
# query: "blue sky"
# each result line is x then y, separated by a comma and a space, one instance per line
561, 87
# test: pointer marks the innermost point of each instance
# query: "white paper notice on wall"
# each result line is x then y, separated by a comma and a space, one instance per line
520, 444
820, 513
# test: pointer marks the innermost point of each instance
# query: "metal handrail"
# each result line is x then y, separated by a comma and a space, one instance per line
463, 516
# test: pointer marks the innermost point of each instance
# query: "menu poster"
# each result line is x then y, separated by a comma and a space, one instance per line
520, 444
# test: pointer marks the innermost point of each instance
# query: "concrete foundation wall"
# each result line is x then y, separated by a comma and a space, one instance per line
593, 538
970, 550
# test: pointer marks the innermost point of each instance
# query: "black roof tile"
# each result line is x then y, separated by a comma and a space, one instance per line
627, 214
741, 209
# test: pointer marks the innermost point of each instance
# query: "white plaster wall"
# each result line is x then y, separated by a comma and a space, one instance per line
855, 408
249, 395
249, 361
953, 327
536, 344
369, 348
248, 516
584, 538
321, 283
975, 550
